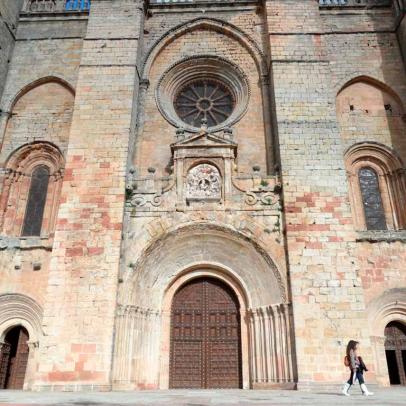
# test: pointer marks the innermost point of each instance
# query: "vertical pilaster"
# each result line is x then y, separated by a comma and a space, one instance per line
9, 15
80, 307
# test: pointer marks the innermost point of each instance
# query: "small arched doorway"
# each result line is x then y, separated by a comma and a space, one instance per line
205, 349
14, 358
395, 349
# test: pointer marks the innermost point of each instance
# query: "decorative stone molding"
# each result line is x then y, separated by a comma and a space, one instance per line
148, 190
25, 243
388, 236
147, 198
202, 67
263, 197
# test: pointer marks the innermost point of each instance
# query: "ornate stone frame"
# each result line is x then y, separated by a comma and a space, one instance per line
16, 184
212, 149
392, 184
208, 67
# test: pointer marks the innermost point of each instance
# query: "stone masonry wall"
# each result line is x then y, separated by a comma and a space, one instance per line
248, 132
164, 19
35, 109
369, 49
81, 299
326, 289
82, 95
9, 11
333, 274
374, 56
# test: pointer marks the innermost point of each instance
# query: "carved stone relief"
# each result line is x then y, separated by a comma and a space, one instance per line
203, 182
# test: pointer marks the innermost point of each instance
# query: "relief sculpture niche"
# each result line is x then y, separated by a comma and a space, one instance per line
203, 182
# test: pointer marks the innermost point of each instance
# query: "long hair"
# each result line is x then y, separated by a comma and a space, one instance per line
352, 344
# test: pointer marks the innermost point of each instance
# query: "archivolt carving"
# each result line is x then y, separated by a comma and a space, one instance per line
209, 23
17, 309
390, 306
29, 155
206, 237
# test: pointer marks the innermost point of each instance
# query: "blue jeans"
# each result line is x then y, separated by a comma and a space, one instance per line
359, 376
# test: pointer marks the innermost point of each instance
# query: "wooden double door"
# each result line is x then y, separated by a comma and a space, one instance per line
14, 359
395, 349
205, 344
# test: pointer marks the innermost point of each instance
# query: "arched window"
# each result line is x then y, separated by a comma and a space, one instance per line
31, 188
371, 199
377, 187
37, 196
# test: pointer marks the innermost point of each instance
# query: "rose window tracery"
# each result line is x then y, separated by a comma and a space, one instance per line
207, 100
203, 182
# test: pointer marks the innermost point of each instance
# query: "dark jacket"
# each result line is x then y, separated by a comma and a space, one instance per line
362, 366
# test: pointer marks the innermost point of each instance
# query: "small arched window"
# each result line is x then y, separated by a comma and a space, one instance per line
371, 199
37, 197
377, 187
31, 190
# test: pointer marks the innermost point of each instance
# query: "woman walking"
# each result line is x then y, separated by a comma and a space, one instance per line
357, 368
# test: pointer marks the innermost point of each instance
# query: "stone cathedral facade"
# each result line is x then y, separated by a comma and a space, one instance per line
201, 194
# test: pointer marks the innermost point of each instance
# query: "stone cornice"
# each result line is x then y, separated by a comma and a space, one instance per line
388, 236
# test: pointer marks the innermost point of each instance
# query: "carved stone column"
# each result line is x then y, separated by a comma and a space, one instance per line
272, 347
31, 364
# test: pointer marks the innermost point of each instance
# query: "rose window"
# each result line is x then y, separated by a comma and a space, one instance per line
204, 101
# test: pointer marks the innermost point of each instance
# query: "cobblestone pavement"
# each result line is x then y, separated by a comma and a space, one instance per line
382, 397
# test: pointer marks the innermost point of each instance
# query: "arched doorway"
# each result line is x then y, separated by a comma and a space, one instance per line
14, 359
205, 349
395, 349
